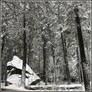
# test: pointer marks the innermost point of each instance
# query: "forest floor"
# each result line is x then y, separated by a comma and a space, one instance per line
71, 87
13, 88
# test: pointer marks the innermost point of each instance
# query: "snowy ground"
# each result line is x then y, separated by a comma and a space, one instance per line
13, 87
71, 87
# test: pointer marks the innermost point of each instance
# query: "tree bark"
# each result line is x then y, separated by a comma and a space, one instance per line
3, 58
24, 52
3, 44
44, 59
79, 67
81, 49
67, 73
52, 50
53, 55
0, 47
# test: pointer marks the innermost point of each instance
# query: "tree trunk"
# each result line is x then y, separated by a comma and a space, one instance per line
3, 44
44, 59
3, 58
51, 36
67, 73
88, 54
81, 49
28, 54
24, 52
79, 67
0, 47
53, 55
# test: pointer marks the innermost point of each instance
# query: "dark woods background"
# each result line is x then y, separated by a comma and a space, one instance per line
52, 37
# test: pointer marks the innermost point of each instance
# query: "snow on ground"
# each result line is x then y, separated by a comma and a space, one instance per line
14, 87
71, 87
64, 87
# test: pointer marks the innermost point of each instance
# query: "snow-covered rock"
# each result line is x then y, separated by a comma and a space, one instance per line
16, 63
14, 79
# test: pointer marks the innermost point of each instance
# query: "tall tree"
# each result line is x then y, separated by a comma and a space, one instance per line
4, 63
81, 48
44, 58
51, 38
0, 47
67, 73
3, 57
79, 66
24, 51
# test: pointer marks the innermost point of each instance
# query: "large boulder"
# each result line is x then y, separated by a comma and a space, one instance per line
14, 69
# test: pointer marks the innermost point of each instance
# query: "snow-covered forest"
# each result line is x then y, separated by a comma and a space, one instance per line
45, 42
